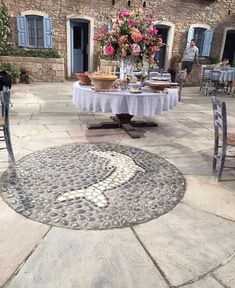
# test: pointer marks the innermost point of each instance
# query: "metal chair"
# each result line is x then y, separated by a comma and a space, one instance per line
180, 78
4, 122
222, 139
215, 84
205, 80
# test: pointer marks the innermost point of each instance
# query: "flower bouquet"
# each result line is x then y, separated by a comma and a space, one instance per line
132, 35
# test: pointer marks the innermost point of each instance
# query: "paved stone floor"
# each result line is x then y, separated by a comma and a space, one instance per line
191, 245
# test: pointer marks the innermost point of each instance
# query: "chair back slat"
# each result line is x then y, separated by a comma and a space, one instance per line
5, 101
214, 75
206, 73
220, 116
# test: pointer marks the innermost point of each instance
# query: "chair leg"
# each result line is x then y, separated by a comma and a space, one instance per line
221, 167
214, 163
215, 155
222, 161
180, 89
8, 143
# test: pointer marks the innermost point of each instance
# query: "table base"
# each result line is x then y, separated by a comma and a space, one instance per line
124, 121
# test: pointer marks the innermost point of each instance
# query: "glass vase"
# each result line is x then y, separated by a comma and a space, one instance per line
127, 67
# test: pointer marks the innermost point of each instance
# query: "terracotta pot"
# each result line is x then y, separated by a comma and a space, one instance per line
15, 80
83, 78
103, 82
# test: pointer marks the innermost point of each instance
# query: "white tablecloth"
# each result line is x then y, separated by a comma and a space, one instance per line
145, 104
227, 76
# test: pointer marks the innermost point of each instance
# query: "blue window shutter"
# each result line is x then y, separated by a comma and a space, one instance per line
207, 43
190, 36
22, 31
47, 27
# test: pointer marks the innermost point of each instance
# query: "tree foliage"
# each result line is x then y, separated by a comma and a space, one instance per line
4, 31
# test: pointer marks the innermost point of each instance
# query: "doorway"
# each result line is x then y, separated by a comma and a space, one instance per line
163, 31
229, 47
79, 46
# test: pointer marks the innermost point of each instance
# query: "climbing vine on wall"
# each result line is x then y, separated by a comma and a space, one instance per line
4, 30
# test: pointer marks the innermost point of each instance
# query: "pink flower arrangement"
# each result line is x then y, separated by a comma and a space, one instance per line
132, 33
109, 50
135, 49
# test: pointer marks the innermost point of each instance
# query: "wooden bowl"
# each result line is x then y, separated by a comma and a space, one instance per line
83, 78
158, 85
103, 82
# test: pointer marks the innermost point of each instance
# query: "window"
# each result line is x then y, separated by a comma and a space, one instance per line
34, 31
203, 37
199, 35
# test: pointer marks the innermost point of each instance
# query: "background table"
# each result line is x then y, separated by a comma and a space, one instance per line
124, 105
227, 78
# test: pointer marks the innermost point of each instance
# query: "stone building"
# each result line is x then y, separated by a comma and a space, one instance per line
69, 26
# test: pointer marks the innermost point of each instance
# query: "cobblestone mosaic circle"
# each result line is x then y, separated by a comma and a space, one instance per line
92, 186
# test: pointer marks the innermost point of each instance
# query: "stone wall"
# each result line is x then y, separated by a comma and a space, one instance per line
40, 69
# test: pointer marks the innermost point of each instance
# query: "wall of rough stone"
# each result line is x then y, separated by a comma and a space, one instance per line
218, 14
39, 69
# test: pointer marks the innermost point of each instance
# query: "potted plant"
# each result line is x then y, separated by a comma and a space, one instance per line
24, 76
15, 75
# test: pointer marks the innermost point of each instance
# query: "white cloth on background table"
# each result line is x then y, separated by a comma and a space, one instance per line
123, 102
227, 76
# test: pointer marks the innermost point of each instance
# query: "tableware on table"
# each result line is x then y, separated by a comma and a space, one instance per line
140, 76
83, 78
135, 87
158, 85
160, 78
123, 84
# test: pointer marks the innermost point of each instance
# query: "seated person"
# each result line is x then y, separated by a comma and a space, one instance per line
224, 65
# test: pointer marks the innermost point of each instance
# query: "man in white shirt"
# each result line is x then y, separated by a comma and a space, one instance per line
190, 55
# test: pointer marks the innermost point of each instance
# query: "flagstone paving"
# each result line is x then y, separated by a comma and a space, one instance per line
191, 245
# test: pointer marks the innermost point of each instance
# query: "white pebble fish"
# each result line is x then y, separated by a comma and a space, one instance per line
126, 169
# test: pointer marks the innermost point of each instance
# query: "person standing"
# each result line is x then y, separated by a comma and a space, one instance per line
189, 57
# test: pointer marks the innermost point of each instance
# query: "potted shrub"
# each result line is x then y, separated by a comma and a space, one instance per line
15, 75
24, 76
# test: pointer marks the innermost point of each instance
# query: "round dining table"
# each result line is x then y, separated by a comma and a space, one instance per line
124, 105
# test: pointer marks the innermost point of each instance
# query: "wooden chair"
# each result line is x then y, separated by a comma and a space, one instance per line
4, 122
222, 139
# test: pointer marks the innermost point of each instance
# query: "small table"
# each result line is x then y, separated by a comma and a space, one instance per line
124, 105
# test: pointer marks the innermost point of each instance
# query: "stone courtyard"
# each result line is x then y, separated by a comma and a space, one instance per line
169, 224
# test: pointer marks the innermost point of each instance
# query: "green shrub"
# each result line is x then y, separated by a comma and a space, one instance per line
43, 53
10, 68
4, 31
